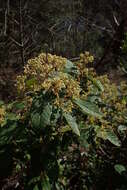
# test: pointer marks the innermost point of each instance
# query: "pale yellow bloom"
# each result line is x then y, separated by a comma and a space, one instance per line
2, 114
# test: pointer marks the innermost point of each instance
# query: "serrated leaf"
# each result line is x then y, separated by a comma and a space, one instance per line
88, 108
112, 137
40, 120
72, 123
97, 83
46, 115
120, 168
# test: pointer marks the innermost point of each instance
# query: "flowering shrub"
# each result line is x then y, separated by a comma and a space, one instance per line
60, 103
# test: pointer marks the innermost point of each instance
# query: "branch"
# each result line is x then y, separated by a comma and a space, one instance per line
21, 32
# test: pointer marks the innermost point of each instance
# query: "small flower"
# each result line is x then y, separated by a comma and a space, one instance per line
2, 114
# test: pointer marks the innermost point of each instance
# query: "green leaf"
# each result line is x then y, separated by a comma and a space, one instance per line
35, 119
10, 105
55, 116
72, 123
7, 130
124, 70
40, 120
1, 103
112, 137
36, 187
64, 129
46, 115
46, 184
34, 180
93, 98
122, 128
12, 116
31, 82
70, 67
97, 83
88, 108
19, 105
6, 134
120, 168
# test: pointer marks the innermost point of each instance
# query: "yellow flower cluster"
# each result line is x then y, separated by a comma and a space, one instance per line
38, 70
86, 58
21, 83
70, 87
55, 83
123, 88
62, 81
66, 105
46, 72
115, 98
2, 114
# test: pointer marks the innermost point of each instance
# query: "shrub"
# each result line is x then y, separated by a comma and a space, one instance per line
61, 106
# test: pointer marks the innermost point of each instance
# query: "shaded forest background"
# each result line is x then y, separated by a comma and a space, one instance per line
60, 27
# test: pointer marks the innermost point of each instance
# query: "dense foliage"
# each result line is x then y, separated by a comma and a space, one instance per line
66, 129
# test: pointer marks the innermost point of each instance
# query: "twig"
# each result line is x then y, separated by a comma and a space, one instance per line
21, 32
17, 43
5, 23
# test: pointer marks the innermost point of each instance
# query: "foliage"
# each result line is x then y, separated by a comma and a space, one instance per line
66, 122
